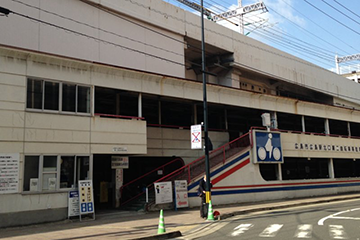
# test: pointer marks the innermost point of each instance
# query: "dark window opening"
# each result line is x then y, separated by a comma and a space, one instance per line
302, 168
344, 168
115, 102
338, 127
289, 121
355, 129
176, 113
150, 108
34, 94
69, 97
269, 171
314, 124
51, 97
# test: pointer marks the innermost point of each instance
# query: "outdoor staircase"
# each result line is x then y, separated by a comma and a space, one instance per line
190, 172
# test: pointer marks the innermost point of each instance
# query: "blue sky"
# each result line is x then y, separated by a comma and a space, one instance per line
297, 27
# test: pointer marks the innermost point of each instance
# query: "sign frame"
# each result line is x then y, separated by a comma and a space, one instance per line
181, 194
267, 147
163, 192
86, 198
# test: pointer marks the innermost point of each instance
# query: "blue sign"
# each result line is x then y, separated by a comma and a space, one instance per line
267, 147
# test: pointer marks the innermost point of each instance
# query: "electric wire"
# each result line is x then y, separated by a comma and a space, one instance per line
332, 18
333, 35
340, 12
347, 8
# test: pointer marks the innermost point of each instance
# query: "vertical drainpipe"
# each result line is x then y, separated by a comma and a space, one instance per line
140, 105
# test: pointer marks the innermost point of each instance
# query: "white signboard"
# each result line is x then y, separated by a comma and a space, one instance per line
9, 172
86, 197
163, 192
73, 209
181, 194
196, 142
119, 162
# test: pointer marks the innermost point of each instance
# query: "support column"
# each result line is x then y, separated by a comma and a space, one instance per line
331, 169
226, 120
279, 173
327, 126
349, 129
159, 113
274, 122
140, 105
195, 114
303, 123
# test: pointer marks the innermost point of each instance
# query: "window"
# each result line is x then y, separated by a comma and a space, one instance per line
302, 168
69, 97
51, 173
34, 94
45, 95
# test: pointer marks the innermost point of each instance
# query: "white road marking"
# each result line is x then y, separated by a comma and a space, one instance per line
337, 232
241, 229
271, 230
303, 231
321, 221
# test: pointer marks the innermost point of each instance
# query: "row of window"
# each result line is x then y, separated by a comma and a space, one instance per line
52, 172
57, 96
302, 168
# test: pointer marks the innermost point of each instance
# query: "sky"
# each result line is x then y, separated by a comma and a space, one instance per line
314, 30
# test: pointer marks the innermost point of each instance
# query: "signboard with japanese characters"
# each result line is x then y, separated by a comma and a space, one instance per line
181, 194
9, 172
86, 202
163, 192
73, 209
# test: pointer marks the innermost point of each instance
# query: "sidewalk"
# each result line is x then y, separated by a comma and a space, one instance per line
130, 225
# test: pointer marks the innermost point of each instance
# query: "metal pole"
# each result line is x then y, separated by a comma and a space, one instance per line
206, 134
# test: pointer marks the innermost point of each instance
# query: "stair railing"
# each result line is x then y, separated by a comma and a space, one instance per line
217, 156
132, 185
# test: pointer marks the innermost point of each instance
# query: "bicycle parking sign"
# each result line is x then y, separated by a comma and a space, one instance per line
267, 147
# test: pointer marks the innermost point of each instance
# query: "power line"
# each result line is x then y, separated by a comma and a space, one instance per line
340, 12
320, 26
332, 18
346, 8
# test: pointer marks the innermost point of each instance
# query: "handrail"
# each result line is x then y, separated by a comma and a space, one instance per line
308, 133
222, 148
141, 177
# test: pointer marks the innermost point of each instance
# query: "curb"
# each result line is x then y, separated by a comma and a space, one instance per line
161, 236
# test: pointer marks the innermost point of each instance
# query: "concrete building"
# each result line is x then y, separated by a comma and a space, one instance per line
84, 81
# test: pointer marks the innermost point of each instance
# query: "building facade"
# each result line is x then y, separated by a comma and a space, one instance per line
84, 81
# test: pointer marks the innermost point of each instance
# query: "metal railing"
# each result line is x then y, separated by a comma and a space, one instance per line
216, 157
132, 190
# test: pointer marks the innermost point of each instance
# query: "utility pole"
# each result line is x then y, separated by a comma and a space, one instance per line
345, 59
206, 133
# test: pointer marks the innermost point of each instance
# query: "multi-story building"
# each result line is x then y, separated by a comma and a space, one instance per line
84, 81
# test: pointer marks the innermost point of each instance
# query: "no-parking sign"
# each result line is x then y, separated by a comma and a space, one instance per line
196, 137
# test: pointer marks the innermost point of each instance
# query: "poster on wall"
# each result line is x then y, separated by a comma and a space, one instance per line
181, 194
9, 172
163, 192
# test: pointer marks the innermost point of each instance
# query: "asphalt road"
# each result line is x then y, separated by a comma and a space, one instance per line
340, 220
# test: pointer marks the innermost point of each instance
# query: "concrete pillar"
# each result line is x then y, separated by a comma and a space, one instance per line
303, 123
331, 169
327, 126
140, 105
